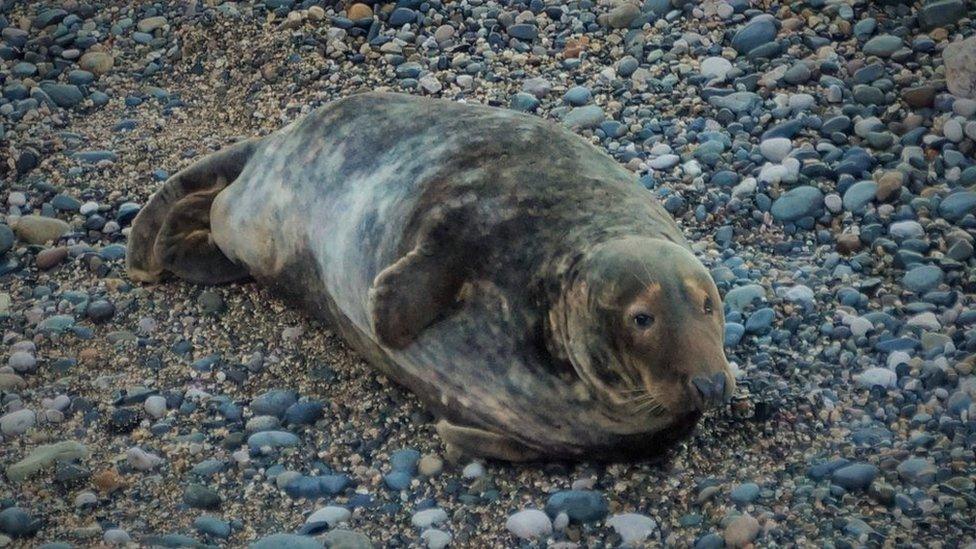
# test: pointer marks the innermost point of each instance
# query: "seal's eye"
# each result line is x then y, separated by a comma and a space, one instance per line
643, 320
708, 306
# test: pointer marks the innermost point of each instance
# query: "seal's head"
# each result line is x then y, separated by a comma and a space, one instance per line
642, 325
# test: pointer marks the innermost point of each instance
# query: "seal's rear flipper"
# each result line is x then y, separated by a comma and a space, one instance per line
473, 442
172, 233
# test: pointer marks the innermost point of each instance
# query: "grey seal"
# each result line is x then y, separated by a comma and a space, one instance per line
518, 280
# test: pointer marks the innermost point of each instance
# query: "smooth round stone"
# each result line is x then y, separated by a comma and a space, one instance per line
627, 66
539, 87
529, 524
745, 493
859, 195
776, 149
857, 476
304, 412
436, 539
141, 460
757, 32
901, 230
212, 526
332, 515
44, 456
797, 203
578, 96
117, 537
22, 362
273, 439
428, 517
7, 239
922, 279
623, 15
201, 497
633, 528
473, 470
17, 422
882, 45
405, 460
397, 480
346, 539
715, 67
586, 117
35, 229
952, 130
155, 406
881, 377
664, 162
523, 31
741, 531
288, 541
957, 205
17, 523
100, 310
274, 402
524, 102
430, 465
580, 505
917, 471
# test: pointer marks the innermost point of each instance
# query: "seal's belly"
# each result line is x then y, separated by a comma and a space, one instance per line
308, 196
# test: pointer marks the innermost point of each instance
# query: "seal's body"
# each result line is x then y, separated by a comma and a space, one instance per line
515, 278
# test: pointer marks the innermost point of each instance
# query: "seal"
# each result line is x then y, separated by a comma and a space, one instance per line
519, 281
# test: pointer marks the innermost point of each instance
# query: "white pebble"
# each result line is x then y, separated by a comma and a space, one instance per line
877, 376
22, 361
141, 460
632, 527
17, 422
155, 406
330, 514
84, 499
776, 149
117, 536
428, 517
436, 539
473, 470
529, 524
561, 522
952, 130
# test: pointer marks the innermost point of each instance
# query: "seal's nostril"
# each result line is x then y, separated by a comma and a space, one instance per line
705, 388
718, 383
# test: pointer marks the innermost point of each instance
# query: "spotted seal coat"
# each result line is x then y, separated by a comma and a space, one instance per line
518, 280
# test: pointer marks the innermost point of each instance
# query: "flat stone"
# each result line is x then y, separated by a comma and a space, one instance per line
44, 456
959, 58
882, 45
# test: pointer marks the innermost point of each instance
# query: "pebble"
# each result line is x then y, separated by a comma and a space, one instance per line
632, 528
741, 531
579, 505
35, 229
529, 524
428, 517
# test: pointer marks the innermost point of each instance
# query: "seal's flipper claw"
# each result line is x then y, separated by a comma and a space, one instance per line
410, 295
172, 232
475, 442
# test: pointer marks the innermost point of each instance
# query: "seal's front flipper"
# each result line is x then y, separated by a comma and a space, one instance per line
411, 294
172, 232
473, 442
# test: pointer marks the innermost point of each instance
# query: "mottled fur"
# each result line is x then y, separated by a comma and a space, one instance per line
455, 246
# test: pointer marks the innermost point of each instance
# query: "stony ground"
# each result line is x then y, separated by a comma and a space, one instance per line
819, 153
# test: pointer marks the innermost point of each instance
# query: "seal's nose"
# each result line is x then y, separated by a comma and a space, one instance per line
711, 390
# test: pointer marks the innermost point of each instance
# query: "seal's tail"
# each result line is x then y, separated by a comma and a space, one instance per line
172, 233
